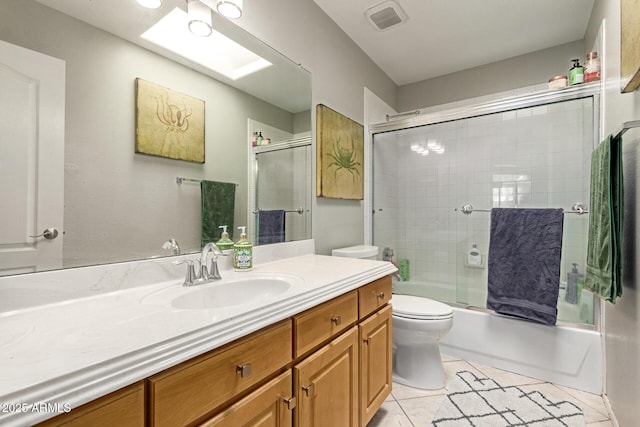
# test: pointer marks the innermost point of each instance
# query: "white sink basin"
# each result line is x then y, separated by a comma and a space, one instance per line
233, 290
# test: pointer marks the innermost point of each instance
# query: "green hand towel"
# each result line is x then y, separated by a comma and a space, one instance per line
604, 250
218, 205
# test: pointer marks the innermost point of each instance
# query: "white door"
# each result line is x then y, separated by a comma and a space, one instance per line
32, 97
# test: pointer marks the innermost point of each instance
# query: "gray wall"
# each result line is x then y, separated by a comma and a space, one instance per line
622, 320
302, 31
513, 73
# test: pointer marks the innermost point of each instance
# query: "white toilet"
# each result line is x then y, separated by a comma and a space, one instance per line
418, 325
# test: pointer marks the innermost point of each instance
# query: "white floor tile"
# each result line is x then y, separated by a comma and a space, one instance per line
505, 378
390, 414
422, 410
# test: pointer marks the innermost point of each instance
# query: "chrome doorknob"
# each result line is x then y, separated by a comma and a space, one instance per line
49, 234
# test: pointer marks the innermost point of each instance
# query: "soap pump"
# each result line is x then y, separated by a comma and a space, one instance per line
474, 257
243, 252
576, 73
225, 242
572, 285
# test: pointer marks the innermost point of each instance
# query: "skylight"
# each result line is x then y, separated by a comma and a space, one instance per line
216, 52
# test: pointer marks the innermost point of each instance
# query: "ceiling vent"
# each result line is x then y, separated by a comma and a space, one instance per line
386, 15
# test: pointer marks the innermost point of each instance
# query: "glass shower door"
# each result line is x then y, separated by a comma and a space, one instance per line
529, 157
283, 181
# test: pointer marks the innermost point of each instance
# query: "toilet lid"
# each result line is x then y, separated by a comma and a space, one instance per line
414, 307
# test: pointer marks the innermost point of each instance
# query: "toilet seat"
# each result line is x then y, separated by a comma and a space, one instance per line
413, 307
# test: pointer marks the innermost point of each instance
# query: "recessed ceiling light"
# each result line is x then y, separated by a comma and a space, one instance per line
216, 52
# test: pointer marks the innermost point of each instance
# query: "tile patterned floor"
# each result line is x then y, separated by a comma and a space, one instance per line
410, 407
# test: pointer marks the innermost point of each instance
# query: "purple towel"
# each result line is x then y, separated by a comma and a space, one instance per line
524, 263
270, 226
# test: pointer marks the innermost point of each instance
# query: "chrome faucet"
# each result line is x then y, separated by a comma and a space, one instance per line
173, 245
208, 271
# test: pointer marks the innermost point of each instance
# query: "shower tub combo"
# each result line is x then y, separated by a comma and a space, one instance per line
529, 151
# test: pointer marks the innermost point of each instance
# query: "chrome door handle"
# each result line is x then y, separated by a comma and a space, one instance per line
49, 234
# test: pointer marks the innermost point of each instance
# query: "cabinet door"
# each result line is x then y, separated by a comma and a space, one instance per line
375, 362
326, 384
269, 406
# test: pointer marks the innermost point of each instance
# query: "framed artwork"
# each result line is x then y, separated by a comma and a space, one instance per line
340, 155
169, 123
629, 42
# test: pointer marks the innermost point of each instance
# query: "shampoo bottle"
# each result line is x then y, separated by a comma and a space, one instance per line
243, 252
576, 73
474, 257
225, 242
572, 285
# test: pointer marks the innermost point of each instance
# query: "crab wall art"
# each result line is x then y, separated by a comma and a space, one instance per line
340, 155
169, 123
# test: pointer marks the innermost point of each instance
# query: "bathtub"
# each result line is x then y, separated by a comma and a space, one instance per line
560, 354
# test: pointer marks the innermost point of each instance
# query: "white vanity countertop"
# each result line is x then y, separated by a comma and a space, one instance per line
71, 352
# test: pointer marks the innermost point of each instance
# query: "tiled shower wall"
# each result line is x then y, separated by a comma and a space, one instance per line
532, 157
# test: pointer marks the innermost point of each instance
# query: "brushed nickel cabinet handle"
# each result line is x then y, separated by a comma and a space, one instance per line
290, 402
244, 370
367, 340
381, 295
309, 390
336, 320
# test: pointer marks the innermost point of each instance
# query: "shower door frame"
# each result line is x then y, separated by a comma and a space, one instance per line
589, 90
254, 172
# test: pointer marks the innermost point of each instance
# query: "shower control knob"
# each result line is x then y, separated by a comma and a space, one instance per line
49, 234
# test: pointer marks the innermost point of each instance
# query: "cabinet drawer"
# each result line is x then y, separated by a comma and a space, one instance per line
374, 295
125, 405
319, 324
186, 393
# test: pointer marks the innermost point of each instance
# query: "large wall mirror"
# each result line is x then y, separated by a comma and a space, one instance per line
118, 205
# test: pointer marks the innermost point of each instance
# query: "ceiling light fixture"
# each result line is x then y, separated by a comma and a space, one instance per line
150, 4
199, 18
231, 9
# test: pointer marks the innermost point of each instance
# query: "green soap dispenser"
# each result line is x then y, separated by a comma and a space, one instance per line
576, 73
243, 252
225, 242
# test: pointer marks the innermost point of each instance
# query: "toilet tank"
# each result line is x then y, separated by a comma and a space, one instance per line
360, 251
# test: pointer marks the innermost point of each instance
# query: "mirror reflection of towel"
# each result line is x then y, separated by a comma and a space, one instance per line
218, 205
524, 263
270, 226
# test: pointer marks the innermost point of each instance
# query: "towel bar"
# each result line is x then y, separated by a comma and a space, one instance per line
299, 210
578, 208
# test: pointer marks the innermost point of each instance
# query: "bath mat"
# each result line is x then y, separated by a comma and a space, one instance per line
475, 401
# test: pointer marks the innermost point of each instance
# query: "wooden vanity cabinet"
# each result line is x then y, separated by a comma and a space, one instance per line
345, 381
271, 405
376, 374
375, 338
326, 384
189, 392
124, 407
327, 366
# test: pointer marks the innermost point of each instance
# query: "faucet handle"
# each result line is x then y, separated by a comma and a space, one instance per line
214, 272
190, 276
